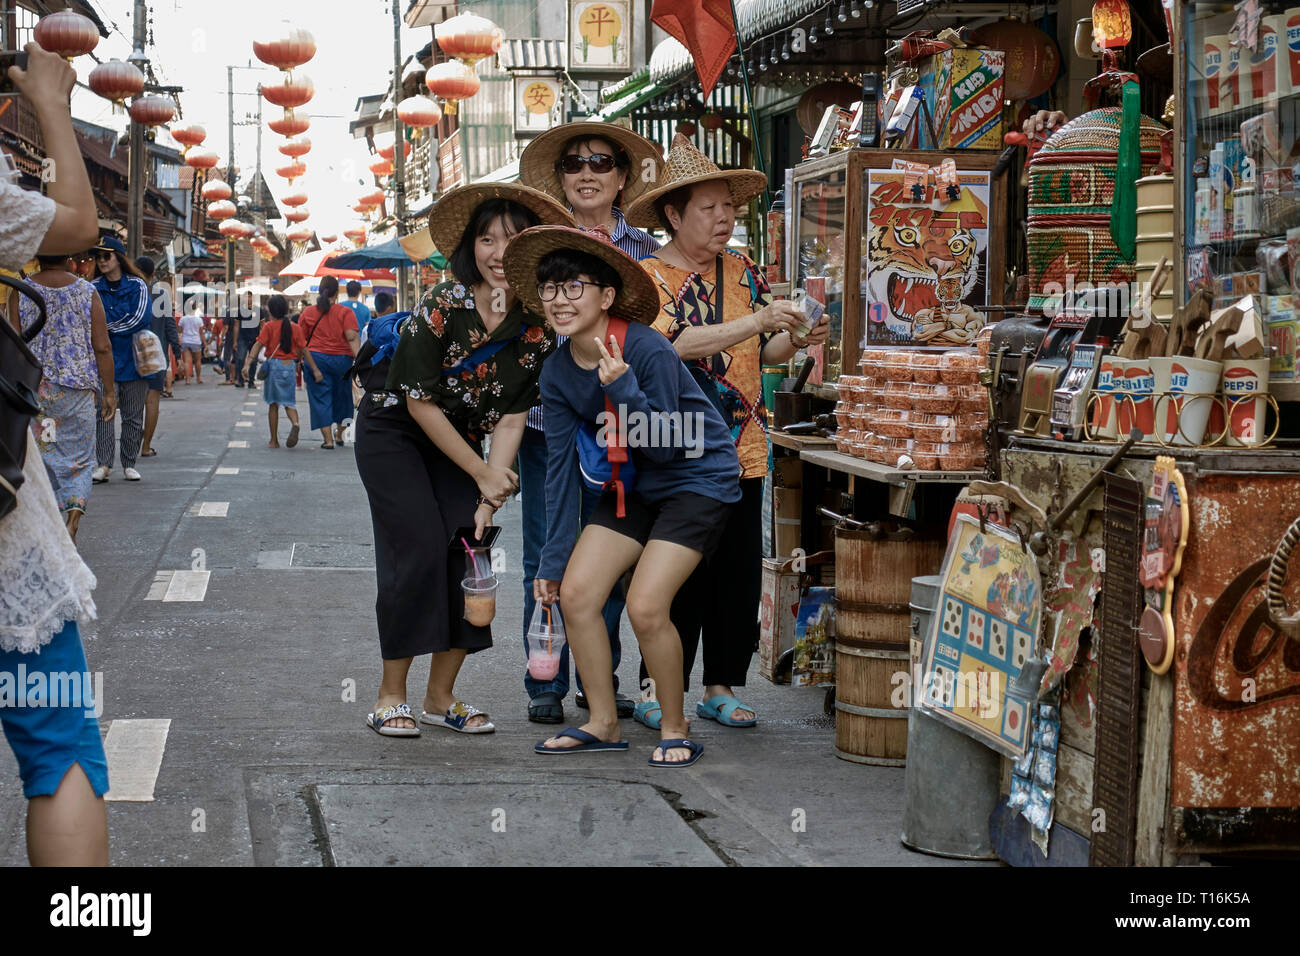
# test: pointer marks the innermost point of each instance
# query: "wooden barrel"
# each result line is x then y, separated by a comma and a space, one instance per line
868, 727
873, 585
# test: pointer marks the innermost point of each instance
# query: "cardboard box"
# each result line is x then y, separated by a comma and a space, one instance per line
964, 91
782, 589
787, 505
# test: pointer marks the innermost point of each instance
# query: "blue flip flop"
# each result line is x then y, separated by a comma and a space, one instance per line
666, 745
721, 708
589, 743
649, 712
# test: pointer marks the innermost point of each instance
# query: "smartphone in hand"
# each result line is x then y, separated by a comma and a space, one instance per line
10, 58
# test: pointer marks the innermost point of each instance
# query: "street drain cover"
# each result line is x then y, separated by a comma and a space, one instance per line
340, 554
281, 476
506, 824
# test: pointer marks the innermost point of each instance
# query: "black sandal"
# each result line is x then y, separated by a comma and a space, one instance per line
546, 709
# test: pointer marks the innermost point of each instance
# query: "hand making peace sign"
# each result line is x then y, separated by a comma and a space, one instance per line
611, 361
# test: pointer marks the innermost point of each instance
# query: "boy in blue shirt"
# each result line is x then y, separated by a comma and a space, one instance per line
685, 471
353, 302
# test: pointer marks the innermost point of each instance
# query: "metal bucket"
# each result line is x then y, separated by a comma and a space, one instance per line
951, 782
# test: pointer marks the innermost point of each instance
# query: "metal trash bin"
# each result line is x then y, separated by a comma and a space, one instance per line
951, 783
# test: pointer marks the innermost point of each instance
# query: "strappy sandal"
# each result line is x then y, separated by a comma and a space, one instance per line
457, 718
378, 722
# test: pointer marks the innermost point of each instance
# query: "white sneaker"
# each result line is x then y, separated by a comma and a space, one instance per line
131, 474
99, 475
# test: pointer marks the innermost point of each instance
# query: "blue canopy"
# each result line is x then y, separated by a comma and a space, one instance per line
385, 255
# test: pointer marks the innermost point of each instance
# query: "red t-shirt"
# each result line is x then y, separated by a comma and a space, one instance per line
270, 339
329, 337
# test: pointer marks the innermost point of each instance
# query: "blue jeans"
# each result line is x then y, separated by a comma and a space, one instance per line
532, 483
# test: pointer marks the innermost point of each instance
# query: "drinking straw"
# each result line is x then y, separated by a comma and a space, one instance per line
478, 572
549, 630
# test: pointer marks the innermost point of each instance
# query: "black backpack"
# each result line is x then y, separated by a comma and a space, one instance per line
20, 376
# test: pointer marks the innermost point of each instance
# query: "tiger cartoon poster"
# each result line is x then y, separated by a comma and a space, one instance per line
926, 260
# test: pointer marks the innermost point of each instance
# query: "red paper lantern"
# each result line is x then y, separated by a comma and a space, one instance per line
452, 81
292, 171
216, 189
292, 91
66, 33
332, 237
286, 49
362, 208
294, 199
201, 158
298, 235
419, 112
297, 215
234, 229
389, 150
116, 80
687, 128
356, 233
191, 135
468, 37
296, 147
711, 122
1031, 57
153, 110
290, 124
381, 167
373, 198
222, 209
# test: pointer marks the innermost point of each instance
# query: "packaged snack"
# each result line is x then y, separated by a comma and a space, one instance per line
960, 367
925, 367
893, 423
898, 366
899, 394
963, 456
934, 399
984, 343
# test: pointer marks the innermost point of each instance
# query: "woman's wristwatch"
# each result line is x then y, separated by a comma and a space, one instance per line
484, 501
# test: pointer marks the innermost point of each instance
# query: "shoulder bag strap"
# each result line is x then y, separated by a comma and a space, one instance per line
616, 438
482, 354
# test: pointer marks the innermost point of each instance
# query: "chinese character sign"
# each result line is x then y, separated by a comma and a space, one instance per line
538, 103
600, 35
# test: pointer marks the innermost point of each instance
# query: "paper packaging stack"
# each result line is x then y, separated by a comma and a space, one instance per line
964, 90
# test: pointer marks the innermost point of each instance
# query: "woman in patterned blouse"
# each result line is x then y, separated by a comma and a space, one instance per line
466, 366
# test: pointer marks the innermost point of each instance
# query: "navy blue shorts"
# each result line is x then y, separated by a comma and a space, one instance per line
158, 381
46, 710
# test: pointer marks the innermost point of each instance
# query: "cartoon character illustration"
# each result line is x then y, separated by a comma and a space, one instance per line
972, 553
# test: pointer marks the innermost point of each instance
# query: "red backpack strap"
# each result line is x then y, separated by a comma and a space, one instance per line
616, 438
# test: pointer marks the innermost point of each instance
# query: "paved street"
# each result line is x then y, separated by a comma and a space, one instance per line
266, 760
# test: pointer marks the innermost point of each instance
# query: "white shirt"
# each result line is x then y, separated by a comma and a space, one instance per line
191, 331
25, 217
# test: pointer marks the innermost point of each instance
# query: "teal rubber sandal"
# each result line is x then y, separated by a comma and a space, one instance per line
649, 712
721, 708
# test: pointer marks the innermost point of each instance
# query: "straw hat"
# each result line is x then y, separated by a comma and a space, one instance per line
452, 213
537, 164
637, 302
686, 166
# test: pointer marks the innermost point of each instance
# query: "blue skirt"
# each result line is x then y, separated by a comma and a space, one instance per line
330, 398
280, 385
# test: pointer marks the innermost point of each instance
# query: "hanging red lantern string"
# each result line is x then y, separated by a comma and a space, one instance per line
296, 147
151, 110
373, 198
285, 49
356, 233
115, 80
298, 235
234, 229
389, 150
293, 91
294, 199
187, 136
297, 215
66, 33
222, 209
381, 167
290, 124
418, 112
453, 81
292, 171
332, 237
201, 158
468, 37
216, 189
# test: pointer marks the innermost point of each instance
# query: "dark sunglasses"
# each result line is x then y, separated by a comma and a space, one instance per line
104, 255
599, 163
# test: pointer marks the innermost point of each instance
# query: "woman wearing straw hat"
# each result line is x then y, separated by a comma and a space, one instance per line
466, 366
718, 312
663, 521
595, 169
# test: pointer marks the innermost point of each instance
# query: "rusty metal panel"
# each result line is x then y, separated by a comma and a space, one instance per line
1237, 694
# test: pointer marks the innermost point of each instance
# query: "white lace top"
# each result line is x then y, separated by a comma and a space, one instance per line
43, 581
25, 217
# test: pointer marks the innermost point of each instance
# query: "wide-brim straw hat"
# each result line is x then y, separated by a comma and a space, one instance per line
537, 164
686, 166
452, 213
637, 302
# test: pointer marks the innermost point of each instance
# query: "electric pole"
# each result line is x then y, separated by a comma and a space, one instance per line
230, 169
399, 152
137, 167
260, 209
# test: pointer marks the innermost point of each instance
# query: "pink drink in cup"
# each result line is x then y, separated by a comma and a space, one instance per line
545, 641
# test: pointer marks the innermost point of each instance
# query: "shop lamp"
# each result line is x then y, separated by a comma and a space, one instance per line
775, 56
855, 10
842, 15
785, 47
812, 33
829, 28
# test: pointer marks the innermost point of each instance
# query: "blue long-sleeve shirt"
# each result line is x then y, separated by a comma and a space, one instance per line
127, 310
676, 438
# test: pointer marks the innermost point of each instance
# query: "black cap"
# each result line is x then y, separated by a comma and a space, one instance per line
145, 265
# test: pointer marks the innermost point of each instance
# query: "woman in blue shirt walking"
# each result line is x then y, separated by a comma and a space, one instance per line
127, 310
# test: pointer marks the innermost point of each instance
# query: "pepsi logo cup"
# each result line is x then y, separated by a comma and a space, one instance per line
1105, 422
1245, 387
1185, 389
1137, 410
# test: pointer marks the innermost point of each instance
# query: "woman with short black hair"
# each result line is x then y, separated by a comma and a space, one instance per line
466, 366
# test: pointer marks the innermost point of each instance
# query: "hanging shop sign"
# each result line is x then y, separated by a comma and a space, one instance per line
539, 104
600, 36
916, 219
984, 632
1237, 676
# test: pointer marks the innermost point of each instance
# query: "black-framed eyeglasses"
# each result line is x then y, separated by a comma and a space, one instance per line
573, 289
597, 162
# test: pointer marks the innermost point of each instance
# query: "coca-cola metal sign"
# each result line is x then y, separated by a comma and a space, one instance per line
1237, 699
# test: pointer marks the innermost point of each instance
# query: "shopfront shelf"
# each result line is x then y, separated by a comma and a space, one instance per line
883, 473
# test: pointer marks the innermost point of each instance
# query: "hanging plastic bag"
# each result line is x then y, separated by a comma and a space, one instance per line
149, 358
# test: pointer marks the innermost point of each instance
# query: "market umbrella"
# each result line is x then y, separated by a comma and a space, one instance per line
310, 285
313, 264
390, 254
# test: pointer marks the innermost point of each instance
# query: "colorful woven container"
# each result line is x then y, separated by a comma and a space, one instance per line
1071, 191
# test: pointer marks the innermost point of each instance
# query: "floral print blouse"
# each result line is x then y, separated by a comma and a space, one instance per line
64, 348
443, 331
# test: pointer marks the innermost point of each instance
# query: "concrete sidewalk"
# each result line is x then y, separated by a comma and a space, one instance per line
267, 679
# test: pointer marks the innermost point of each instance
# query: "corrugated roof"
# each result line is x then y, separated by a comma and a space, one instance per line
533, 53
